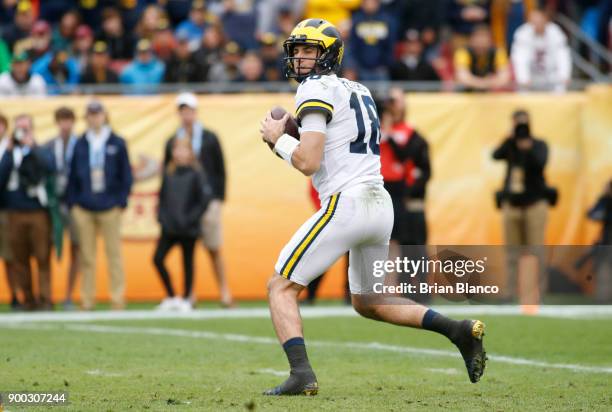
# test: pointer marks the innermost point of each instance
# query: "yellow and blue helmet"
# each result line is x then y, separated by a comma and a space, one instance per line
319, 33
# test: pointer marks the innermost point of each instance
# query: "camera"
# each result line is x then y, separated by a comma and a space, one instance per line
521, 131
18, 135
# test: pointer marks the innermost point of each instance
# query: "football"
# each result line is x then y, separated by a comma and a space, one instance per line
291, 127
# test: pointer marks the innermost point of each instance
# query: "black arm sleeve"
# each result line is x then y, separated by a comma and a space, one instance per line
503, 151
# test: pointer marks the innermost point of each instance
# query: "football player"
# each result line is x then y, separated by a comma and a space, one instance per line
339, 148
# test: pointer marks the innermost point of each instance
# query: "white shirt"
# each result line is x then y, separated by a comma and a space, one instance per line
35, 86
351, 153
543, 61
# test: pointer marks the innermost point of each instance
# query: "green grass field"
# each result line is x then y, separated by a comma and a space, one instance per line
537, 363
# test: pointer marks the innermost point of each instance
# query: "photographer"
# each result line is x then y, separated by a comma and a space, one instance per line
24, 169
525, 197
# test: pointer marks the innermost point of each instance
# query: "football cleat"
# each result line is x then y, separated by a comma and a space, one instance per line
471, 347
296, 384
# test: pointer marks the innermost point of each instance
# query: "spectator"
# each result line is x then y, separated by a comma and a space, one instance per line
19, 81
480, 66
286, 22
146, 72
62, 148
163, 42
541, 56
227, 69
206, 147
98, 72
239, 26
506, 17
120, 42
525, 196
268, 12
337, 12
270, 54
404, 155
64, 33
183, 198
5, 250
99, 184
40, 40
211, 48
149, 22
5, 57
81, 47
183, 67
21, 27
251, 68
371, 42
412, 65
464, 17
24, 169
194, 27
58, 69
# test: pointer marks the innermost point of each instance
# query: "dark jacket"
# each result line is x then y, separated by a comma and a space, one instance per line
423, 71
183, 198
377, 50
188, 70
117, 176
211, 159
89, 76
532, 162
35, 167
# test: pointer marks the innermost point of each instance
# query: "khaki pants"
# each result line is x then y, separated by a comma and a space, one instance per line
29, 235
108, 224
525, 226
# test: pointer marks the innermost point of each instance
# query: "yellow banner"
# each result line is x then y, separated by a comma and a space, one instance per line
267, 201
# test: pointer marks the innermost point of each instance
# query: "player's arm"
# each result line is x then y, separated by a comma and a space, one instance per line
304, 154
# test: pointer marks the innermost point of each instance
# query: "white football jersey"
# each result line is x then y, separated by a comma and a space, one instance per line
351, 155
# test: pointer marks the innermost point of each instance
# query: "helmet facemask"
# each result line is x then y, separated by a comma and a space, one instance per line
292, 64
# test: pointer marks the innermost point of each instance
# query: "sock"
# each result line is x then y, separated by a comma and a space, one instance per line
295, 349
436, 322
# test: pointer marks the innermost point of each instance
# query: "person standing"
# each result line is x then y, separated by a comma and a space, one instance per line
207, 149
62, 149
183, 198
525, 197
5, 250
24, 169
99, 184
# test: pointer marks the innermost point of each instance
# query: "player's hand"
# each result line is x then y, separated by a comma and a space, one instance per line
272, 129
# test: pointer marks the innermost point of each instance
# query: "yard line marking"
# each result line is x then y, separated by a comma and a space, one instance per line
550, 311
445, 371
273, 372
231, 337
98, 372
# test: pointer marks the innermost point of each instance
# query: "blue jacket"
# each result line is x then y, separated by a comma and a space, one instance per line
143, 77
39, 163
372, 39
117, 176
41, 66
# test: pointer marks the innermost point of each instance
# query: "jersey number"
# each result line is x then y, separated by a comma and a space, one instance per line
360, 145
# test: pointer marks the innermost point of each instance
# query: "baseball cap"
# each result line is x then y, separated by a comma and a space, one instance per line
24, 6
94, 106
41, 27
187, 99
100, 47
268, 39
143, 45
21, 57
198, 5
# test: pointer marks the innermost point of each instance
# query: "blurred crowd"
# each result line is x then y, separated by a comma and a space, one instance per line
48, 46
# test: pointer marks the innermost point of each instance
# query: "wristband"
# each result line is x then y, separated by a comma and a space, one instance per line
285, 146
